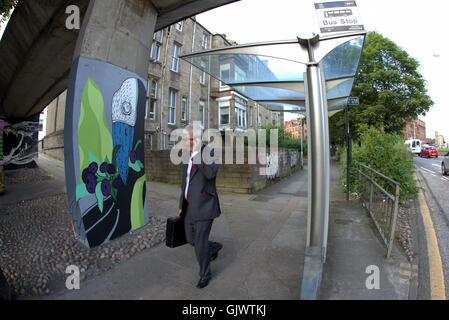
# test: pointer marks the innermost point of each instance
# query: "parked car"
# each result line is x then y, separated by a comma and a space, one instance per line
428, 152
445, 165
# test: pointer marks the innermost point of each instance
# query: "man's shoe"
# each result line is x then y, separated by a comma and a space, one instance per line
214, 256
218, 247
203, 282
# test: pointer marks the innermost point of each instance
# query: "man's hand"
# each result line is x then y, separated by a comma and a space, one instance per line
180, 211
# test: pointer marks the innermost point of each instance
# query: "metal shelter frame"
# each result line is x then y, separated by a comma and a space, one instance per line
312, 76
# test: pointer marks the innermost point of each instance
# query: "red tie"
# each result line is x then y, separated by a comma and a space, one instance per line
191, 172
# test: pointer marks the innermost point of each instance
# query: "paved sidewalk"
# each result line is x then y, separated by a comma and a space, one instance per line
35, 190
264, 238
353, 246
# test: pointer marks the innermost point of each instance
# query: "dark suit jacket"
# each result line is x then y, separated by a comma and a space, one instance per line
203, 198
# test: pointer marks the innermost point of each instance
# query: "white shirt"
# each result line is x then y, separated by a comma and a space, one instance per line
189, 168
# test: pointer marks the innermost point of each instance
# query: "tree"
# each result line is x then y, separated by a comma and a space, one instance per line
391, 91
5, 9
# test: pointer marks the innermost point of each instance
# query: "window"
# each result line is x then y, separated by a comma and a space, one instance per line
175, 58
155, 51
156, 46
204, 41
158, 36
183, 108
223, 107
153, 107
273, 117
151, 141
202, 114
178, 26
147, 104
259, 120
240, 112
225, 74
171, 144
152, 102
203, 74
172, 107
153, 89
239, 74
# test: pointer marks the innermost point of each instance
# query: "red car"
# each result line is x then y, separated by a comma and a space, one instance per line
429, 152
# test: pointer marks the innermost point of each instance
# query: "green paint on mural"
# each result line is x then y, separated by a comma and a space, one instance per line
137, 215
81, 191
93, 131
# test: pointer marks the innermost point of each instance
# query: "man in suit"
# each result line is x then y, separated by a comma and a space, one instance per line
199, 203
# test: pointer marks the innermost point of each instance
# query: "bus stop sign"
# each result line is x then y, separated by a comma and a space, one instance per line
353, 101
338, 16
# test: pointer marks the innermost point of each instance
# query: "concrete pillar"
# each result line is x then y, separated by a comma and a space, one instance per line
104, 120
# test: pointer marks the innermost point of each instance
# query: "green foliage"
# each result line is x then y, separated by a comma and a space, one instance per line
285, 138
387, 154
6, 7
390, 89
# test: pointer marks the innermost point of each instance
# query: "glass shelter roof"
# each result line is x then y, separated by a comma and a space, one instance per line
272, 73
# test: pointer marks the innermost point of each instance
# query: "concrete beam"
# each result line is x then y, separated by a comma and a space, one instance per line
36, 52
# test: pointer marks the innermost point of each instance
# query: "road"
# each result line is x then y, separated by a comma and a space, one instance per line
437, 197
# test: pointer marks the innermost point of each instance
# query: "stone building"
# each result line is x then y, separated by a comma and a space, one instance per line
440, 140
179, 93
294, 127
415, 129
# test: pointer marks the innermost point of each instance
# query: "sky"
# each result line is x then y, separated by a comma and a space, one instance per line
418, 27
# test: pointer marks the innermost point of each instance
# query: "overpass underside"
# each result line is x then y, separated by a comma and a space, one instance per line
37, 51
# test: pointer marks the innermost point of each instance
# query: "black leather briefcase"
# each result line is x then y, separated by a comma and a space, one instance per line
175, 233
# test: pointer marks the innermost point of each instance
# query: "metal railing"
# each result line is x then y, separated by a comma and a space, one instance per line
382, 206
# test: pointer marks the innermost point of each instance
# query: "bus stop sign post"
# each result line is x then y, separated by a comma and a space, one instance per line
352, 101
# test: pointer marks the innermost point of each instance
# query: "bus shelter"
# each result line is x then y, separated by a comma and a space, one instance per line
312, 76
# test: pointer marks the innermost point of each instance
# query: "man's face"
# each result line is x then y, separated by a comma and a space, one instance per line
188, 140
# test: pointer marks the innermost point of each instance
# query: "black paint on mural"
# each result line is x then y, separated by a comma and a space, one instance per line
20, 143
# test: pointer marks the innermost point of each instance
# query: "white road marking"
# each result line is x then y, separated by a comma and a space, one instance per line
428, 170
436, 165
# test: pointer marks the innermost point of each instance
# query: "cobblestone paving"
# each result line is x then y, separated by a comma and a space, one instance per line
37, 244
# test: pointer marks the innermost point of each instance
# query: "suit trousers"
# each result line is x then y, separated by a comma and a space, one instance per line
197, 234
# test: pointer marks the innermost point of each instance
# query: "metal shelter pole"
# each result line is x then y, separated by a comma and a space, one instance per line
318, 177
318, 155
348, 151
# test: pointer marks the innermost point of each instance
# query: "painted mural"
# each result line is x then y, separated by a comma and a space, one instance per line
20, 144
107, 156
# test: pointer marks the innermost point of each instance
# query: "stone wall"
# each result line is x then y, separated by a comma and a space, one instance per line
53, 145
236, 178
